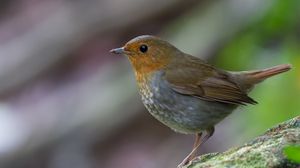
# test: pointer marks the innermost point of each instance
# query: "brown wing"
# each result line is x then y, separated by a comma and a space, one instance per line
201, 80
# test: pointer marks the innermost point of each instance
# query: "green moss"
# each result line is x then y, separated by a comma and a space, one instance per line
264, 151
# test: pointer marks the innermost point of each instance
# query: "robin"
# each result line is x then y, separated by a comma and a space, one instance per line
184, 92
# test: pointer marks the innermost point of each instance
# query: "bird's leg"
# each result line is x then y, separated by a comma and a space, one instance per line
192, 154
197, 143
209, 133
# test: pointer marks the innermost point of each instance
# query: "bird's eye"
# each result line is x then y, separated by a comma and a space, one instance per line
143, 48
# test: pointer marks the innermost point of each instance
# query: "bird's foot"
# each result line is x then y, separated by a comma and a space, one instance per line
185, 162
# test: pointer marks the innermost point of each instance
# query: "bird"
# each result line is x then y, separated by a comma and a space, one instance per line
186, 93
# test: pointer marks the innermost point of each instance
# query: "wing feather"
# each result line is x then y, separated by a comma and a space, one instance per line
205, 82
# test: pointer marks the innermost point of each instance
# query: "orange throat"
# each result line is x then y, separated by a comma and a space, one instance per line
144, 66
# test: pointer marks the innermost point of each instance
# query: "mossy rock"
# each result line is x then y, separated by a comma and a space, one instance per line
265, 151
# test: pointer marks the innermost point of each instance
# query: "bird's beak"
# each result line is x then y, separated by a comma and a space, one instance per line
118, 50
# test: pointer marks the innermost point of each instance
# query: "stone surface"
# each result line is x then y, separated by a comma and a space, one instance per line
264, 151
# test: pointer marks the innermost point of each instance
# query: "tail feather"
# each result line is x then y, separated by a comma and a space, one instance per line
248, 79
260, 75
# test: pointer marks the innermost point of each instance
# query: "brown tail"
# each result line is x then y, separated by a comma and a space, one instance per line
261, 75
249, 78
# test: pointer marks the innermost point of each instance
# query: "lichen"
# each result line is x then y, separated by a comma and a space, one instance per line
265, 151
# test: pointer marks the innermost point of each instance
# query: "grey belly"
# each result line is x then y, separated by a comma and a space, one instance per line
182, 113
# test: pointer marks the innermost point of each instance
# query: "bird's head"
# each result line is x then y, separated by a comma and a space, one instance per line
147, 53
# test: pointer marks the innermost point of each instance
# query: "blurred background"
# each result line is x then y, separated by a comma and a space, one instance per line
67, 102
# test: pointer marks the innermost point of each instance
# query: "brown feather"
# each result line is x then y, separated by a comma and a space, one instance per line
205, 82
